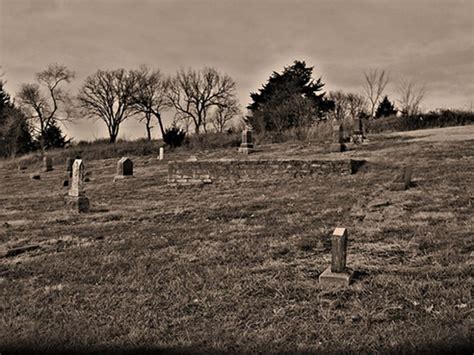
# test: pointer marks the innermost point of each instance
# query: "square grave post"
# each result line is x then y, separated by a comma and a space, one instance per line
162, 154
246, 146
124, 169
76, 199
337, 274
47, 163
403, 179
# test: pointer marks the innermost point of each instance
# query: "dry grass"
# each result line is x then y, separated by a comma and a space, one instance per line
234, 267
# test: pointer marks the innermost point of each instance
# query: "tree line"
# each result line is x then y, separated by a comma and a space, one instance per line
203, 99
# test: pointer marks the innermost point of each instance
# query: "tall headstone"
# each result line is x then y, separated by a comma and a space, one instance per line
246, 146
403, 180
77, 182
337, 273
47, 163
162, 153
124, 169
76, 198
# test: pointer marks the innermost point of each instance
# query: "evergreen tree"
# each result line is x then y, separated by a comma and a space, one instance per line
15, 137
53, 137
385, 109
289, 99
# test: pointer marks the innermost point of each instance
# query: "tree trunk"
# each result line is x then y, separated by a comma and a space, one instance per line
148, 126
158, 117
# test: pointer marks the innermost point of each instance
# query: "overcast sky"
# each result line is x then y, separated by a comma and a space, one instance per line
430, 41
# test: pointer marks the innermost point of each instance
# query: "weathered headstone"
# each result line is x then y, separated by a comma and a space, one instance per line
246, 146
76, 198
47, 163
337, 274
124, 169
162, 153
403, 179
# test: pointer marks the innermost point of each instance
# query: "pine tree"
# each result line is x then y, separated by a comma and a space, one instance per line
289, 99
385, 109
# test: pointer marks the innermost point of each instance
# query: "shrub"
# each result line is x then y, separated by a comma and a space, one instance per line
174, 136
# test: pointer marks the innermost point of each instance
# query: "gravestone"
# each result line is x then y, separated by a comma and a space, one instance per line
337, 274
403, 180
47, 163
246, 147
76, 199
162, 153
124, 169
357, 135
337, 144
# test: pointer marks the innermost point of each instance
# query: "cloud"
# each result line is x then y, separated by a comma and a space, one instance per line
429, 39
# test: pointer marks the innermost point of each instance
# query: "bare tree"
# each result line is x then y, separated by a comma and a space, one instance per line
411, 95
375, 83
151, 99
194, 93
341, 105
44, 101
224, 113
356, 104
108, 95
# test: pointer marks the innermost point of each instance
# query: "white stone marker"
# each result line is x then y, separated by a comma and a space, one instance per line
162, 153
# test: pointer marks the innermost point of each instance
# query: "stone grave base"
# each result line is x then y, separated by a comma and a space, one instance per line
398, 186
77, 203
122, 177
332, 279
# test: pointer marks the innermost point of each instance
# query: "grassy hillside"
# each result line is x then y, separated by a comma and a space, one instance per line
234, 267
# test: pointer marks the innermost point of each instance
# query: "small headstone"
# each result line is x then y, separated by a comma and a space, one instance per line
47, 163
22, 165
65, 182
403, 179
35, 176
76, 198
337, 274
124, 169
162, 153
192, 158
246, 146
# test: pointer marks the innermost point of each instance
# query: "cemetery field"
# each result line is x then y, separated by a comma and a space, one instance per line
234, 267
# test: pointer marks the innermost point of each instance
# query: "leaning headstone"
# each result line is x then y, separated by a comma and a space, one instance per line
337, 274
47, 163
403, 180
76, 198
124, 169
246, 147
162, 153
